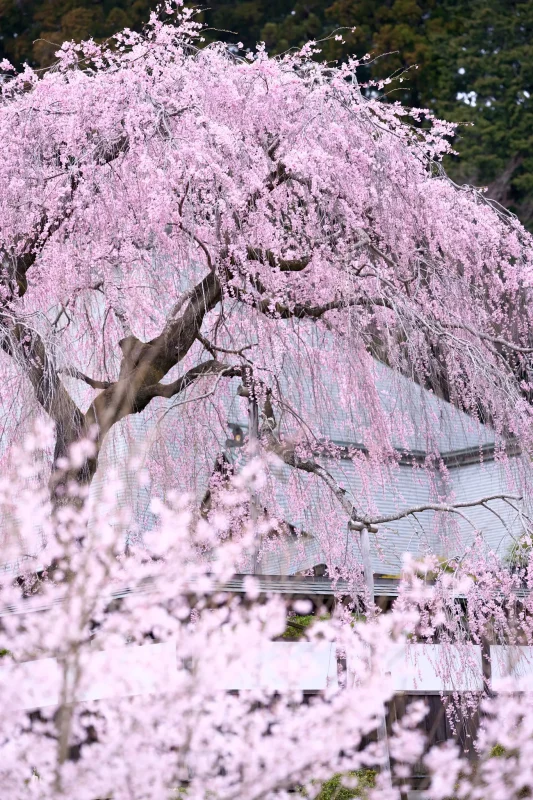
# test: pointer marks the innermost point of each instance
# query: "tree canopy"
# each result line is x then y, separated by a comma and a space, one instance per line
184, 227
473, 57
175, 218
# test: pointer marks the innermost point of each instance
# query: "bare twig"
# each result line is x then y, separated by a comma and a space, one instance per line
486, 337
213, 348
439, 507
287, 452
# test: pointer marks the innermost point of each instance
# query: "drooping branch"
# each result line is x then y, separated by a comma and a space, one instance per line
495, 340
24, 257
512, 355
448, 508
287, 452
143, 364
26, 346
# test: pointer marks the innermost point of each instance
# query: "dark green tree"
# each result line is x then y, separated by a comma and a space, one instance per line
31, 30
493, 72
475, 65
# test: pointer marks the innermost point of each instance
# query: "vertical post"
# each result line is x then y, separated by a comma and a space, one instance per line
253, 443
367, 562
368, 571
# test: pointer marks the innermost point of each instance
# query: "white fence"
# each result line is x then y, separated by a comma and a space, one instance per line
433, 668
153, 669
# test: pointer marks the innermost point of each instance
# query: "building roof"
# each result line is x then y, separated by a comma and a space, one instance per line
441, 453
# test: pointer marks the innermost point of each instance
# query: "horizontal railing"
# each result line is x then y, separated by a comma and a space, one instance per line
277, 666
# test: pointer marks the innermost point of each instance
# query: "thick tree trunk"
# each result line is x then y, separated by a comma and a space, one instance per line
70, 480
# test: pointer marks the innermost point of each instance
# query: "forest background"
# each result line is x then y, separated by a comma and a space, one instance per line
469, 61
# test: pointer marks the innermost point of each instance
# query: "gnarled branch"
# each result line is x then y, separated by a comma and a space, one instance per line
283, 264
72, 372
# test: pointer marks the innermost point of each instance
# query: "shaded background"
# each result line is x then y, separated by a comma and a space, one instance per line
474, 57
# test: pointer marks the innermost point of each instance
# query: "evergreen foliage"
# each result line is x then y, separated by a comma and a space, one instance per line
335, 788
475, 65
31, 30
493, 62
298, 625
